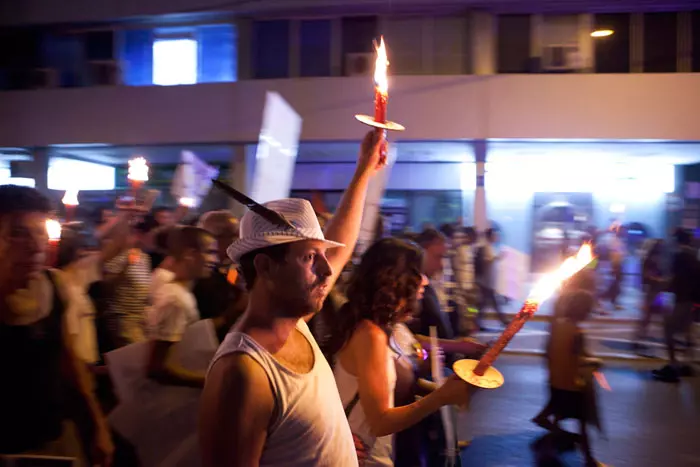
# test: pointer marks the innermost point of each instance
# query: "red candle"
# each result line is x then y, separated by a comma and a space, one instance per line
380, 101
381, 90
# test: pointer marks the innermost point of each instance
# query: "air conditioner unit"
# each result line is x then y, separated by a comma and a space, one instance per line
359, 64
43, 78
104, 73
561, 58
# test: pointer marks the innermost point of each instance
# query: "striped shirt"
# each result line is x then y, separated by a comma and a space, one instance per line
126, 311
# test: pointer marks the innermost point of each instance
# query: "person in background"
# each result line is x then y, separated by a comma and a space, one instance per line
485, 268
617, 252
451, 296
39, 368
463, 266
129, 278
163, 268
383, 291
685, 271
439, 299
221, 295
572, 395
431, 312
159, 248
81, 255
270, 397
174, 306
653, 283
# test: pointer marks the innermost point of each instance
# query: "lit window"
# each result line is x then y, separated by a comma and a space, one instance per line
84, 176
174, 61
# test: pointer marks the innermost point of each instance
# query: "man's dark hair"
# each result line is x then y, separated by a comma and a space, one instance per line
428, 236
16, 199
470, 232
490, 233
161, 238
448, 230
182, 239
682, 236
160, 209
246, 264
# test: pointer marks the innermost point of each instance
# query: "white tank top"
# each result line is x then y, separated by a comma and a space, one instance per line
380, 449
310, 428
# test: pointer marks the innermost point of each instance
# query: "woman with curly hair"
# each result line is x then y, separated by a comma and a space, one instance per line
384, 290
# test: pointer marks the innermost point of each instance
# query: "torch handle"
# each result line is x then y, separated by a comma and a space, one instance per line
511, 330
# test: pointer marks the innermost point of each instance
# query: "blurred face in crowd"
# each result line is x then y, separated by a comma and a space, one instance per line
26, 244
164, 217
432, 257
202, 262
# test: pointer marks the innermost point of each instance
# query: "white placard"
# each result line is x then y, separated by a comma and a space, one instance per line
160, 420
192, 179
276, 155
373, 202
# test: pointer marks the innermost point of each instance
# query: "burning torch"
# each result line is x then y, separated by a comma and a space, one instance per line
53, 230
70, 202
481, 373
137, 176
381, 98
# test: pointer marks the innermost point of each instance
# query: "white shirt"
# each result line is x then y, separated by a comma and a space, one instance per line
80, 310
309, 428
174, 308
159, 278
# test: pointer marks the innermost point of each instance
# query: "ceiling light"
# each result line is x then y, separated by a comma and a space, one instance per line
602, 33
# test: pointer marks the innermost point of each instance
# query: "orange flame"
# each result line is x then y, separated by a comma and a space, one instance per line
53, 229
71, 198
551, 282
138, 170
380, 66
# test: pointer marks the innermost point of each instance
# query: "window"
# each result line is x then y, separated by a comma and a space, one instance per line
612, 53
179, 55
70, 173
404, 36
271, 43
137, 57
174, 61
217, 53
358, 36
660, 42
451, 45
514, 44
315, 48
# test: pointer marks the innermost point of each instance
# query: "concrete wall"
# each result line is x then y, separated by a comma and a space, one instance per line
581, 106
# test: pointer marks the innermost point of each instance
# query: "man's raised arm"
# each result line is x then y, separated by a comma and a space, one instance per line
344, 227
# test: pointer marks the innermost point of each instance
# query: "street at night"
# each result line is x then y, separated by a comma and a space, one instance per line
647, 423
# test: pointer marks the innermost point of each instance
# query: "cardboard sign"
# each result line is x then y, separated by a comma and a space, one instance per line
373, 203
192, 179
276, 154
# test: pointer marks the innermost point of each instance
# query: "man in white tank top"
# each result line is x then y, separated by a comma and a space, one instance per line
270, 398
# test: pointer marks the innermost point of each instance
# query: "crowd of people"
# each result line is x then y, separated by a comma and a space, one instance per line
323, 354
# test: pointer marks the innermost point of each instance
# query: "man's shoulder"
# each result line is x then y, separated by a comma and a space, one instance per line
238, 368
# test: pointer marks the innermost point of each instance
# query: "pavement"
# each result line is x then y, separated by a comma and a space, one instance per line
647, 423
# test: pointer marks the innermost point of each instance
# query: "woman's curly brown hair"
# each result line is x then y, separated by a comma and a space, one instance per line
382, 289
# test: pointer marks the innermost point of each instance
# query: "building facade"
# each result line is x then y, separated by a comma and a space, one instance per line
568, 124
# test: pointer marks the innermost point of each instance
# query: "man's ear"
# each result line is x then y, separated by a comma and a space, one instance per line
263, 266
